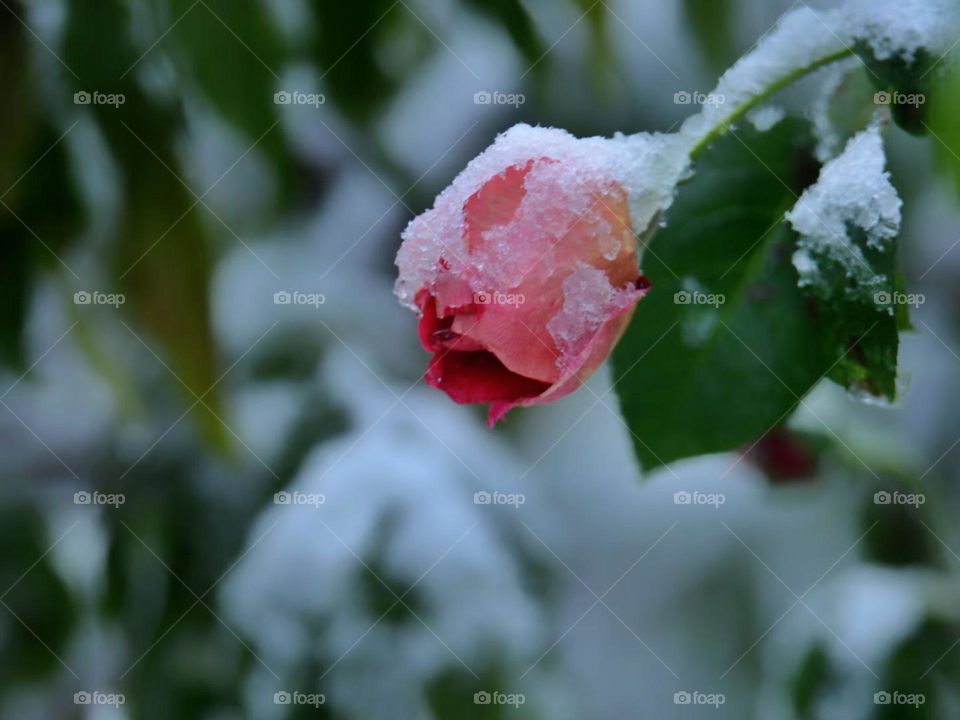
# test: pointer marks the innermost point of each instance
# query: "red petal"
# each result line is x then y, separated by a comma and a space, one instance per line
436, 333
479, 377
429, 322
494, 203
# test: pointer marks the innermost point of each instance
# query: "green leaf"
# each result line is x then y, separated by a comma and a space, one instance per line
928, 648
40, 613
515, 19
39, 210
697, 378
811, 682
899, 537
903, 84
944, 107
17, 122
712, 24
848, 266
727, 343
348, 48
455, 695
231, 50
40, 214
162, 256
863, 338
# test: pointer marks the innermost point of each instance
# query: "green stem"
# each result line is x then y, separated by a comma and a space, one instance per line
718, 131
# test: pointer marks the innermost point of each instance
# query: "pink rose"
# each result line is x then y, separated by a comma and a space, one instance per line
524, 272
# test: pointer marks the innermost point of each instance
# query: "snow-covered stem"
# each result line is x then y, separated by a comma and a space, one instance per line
728, 121
805, 40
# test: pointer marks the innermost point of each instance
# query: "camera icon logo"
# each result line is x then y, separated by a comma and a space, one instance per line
282, 498
882, 98
282, 698
682, 297
682, 98
682, 498
82, 98
482, 298
482, 98
82, 698
82, 498
82, 298
482, 698
282, 98
682, 698
882, 298
882, 698
282, 298
882, 497
482, 498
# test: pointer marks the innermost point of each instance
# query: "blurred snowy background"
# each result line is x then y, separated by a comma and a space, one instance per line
227, 493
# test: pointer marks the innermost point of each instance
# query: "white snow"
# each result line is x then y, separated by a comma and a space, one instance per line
798, 40
805, 36
648, 167
766, 117
588, 301
853, 191
900, 27
828, 136
397, 500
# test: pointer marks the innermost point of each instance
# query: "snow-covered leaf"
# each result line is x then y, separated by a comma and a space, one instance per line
848, 222
724, 345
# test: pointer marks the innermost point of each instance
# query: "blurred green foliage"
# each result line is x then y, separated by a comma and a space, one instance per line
229, 57
944, 101
712, 24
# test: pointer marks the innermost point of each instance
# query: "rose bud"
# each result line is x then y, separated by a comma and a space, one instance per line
525, 271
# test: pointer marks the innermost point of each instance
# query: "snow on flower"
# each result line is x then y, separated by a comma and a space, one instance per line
525, 271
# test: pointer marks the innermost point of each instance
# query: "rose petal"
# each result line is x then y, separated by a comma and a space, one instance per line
479, 377
495, 203
576, 373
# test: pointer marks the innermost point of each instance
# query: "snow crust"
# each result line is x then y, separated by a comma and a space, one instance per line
828, 137
766, 117
899, 27
806, 36
853, 193
589, 300
647, 167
